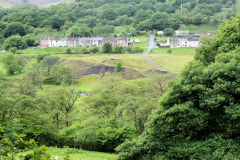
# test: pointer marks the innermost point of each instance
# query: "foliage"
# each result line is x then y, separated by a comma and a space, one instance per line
118, 67
107, 47
10, 148
14, 41
11, 64
69, 51
168, 31
169, 51
95, 18
15, 28
198, 117
59, 75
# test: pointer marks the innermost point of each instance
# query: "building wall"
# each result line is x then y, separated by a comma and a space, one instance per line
72, 42
44, 43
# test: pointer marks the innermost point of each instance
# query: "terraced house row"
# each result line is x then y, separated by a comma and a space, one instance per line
82, 41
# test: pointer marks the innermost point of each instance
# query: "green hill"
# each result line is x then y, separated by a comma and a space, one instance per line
8, 3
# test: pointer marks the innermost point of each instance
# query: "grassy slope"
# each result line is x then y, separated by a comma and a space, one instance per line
76, 154
174, 61
204, 28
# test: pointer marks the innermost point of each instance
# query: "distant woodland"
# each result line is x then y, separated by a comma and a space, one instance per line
85, 18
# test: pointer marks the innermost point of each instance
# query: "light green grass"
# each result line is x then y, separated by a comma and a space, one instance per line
143, 39
76, 154
53, 50
204, 28
2, 70
174, 61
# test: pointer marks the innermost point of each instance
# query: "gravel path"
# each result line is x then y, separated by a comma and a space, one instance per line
149, 48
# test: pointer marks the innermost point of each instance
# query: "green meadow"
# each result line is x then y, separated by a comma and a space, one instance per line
76, 154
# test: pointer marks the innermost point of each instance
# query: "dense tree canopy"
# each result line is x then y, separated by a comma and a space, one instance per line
199, 116
99, 18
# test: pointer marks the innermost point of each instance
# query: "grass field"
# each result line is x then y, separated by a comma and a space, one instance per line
174, 61
52, 50
143, 39
76, 154
204, 28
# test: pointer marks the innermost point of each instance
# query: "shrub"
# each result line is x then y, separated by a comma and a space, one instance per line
15, 41
168, 31
69, 51
13, 50
107, 47
118, 67
85, 51
104, 136
169, 51
95, 50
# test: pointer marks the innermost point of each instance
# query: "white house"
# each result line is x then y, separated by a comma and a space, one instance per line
181, 42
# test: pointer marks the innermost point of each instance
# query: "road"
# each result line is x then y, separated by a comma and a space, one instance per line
149, 48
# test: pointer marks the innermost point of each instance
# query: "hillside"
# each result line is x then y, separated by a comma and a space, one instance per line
8, 3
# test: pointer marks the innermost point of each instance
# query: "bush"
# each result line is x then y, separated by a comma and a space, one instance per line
85, 51
14, 41
30, 41
118, 49
69, 51
95, 50
137, 50
168, 31
107, 47
59, 75
13, 50
104, 136
118, 67
169, 51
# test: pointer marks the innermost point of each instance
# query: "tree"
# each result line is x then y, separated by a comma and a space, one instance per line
118, 67
49, 62
11, 64
56, 22
21, 62
168, 31
35, 76
14, 41
79, 31
60, 103
198, 118
59, 75
107, 47
109, 14
69, 51
10, 148
14, 28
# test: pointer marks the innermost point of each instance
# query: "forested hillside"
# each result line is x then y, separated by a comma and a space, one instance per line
8, 3
199, 116
115, 99
106, 18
